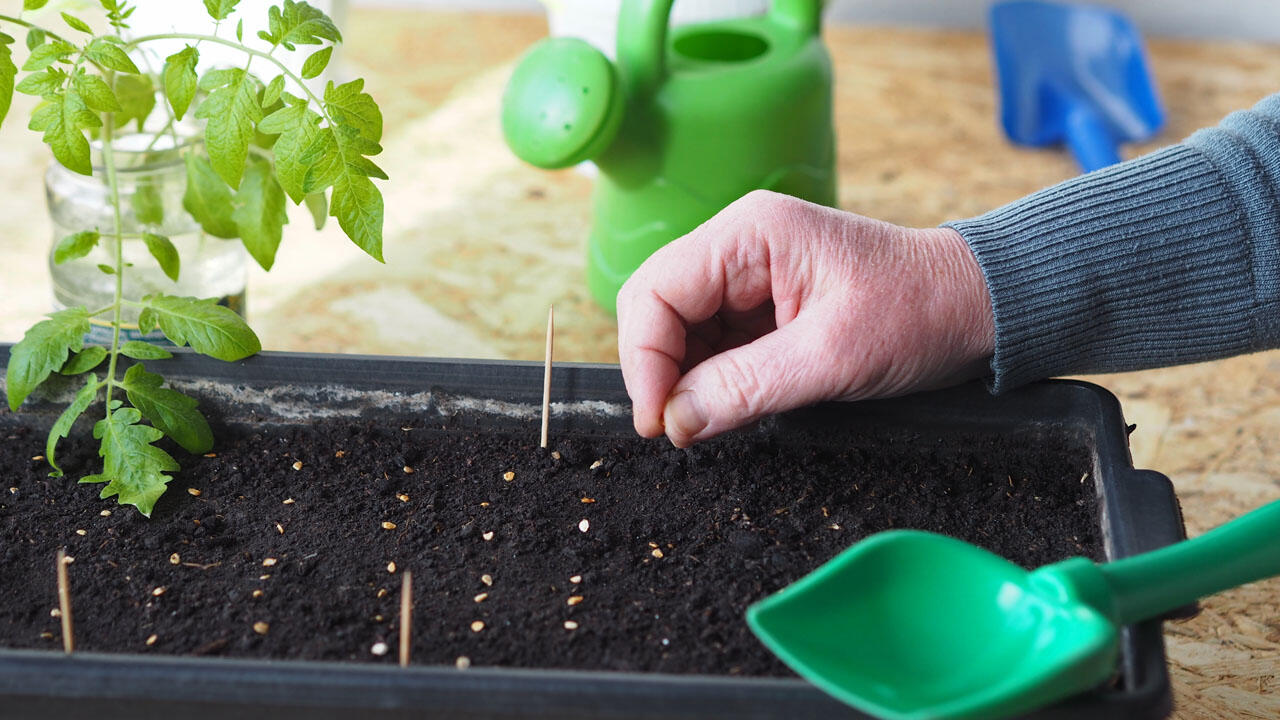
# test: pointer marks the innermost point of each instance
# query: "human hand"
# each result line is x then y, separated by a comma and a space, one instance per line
776, 303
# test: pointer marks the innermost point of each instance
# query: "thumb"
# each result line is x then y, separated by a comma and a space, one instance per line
784, 369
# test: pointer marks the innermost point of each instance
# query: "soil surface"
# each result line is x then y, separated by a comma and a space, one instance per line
289, 542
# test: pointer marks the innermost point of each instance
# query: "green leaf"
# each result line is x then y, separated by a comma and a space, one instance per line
132, 467
211, 329
106, 269
35, 37
84, 361
76, 245
148, 205
318, 204
260, 213
220, 9
137, 96
76, 23
8, 71
96, 93
109, 55
42, 350
45, 82
62, 428
208, 199
33, 4
139, 350
63, 117
272, 92
180, 79
165, 253
348, 105
240, 31
171, 411
300, 145
316, 64
299, 23
232, 111
42, 56
357, 205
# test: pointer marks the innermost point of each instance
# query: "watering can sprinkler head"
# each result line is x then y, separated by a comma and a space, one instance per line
563, 104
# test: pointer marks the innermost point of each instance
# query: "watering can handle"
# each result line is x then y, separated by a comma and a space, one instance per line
642, 36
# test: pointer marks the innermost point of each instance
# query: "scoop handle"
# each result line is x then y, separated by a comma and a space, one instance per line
1240, 552
1091, 141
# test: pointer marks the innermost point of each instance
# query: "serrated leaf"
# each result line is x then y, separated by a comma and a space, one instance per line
349, 105
207, 198
137, 96
133, 468
62, 427
299, 23
109, 55
165, 254
272, 92
318, 205
34, 4
139, 350
42, 56
180, 79
84, 361
260, 213
45, 82
209, 328
63, 117
316, 64
300, 145
8, 71
148, 205
35, 37
42, 350
220, 9
357, 205
231, 112
76, 23
75, 245
171, 411
95, 92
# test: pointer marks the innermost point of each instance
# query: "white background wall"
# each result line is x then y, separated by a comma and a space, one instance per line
1244, 19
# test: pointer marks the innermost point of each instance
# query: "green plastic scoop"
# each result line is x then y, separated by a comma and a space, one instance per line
909, 624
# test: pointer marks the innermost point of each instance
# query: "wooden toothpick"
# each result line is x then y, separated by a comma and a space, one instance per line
406, 616
64, 602
546, 373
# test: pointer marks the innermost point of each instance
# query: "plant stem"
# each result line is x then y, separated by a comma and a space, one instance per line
113, 187
32, 26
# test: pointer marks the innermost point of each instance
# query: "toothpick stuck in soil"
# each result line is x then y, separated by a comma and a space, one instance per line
64, 603
406, 616
546, 373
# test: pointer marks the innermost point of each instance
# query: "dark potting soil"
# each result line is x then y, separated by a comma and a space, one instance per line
290, 540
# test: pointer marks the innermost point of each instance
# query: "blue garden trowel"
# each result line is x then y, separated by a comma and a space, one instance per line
1072, 74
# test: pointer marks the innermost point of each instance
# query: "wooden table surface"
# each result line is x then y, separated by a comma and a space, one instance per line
478, 245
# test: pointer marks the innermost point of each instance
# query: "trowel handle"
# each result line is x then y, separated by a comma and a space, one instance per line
1239, 552
1090, 139
642, 36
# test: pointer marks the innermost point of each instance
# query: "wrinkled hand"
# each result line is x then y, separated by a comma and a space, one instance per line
776, 303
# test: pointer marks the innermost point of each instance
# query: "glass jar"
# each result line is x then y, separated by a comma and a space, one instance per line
152, 179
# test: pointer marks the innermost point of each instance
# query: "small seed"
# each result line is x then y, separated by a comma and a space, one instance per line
297, 465
826, 512
67, 560
175, 559
211, 454
508, 476
382, 592
279, 528
406, 428
477, 626
481, 597
194, 492
653, 544
289, 501
80, 532
265, 577
656, 553
268, 562
46, 635
104, 513
555, 454
487, 536
377, 618
159, 591
261, 628
391, 567
575, 579
588, 501
38, 458
834, 526
584, 526
484, 504
379, 649
152, 640
574, 599
257, 593
13, 491
402, 497
463, 662
570, 625
487, 579
388, 525
55, 613
408, 470
340, 453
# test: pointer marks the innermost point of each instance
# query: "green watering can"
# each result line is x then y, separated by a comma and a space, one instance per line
909, 624
680, 126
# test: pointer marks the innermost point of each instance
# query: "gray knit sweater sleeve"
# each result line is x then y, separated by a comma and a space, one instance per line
1170, 258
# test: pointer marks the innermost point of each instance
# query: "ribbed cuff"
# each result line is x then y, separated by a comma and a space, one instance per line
1146, 263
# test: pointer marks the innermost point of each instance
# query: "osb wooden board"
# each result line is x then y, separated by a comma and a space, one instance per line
479, 245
